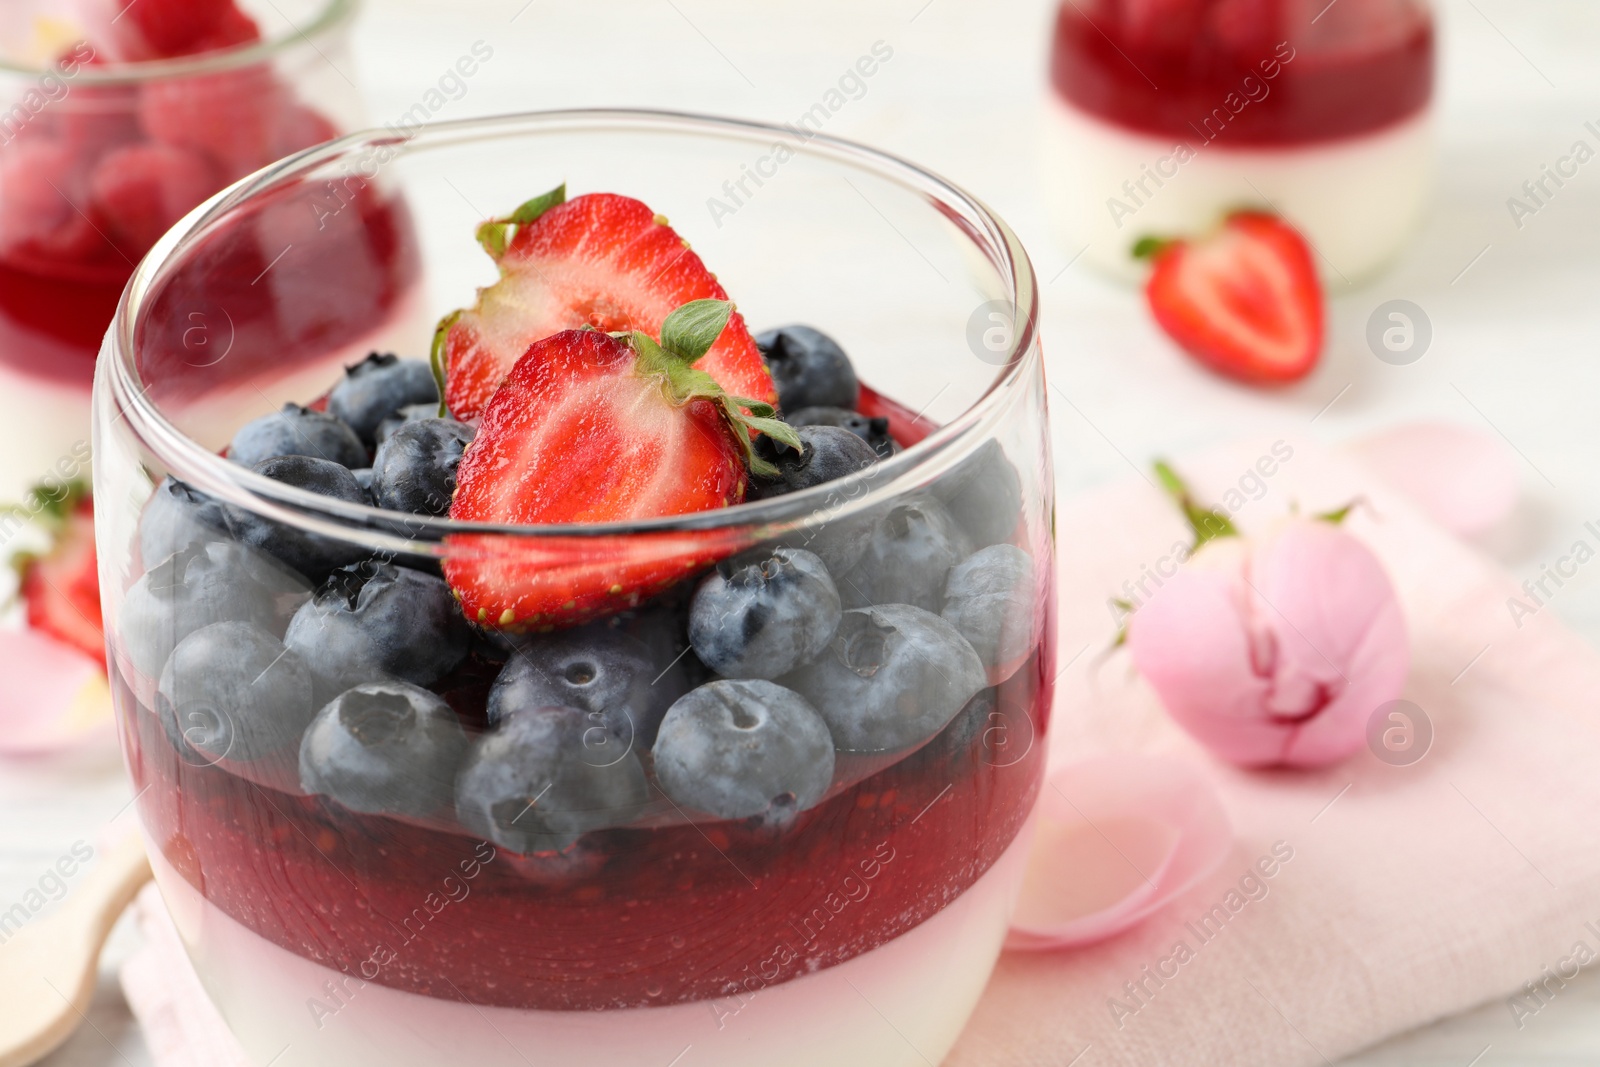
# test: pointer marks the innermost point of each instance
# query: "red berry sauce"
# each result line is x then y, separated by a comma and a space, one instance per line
1245, 72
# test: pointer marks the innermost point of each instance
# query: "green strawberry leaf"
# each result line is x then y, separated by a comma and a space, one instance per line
1149, 247
50, 507
776, 429
492, 236
496, 234
530, 210
436, 358
686, 335
690, 331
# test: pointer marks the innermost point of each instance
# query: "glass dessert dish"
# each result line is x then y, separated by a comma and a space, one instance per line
554, 866
1161, 119
107, 140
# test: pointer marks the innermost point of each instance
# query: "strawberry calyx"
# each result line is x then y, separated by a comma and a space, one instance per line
1149, 246
686, 335
52, 508
438, 359
59, 585
496, 235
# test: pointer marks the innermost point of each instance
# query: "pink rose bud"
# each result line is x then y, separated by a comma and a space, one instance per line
1273, 653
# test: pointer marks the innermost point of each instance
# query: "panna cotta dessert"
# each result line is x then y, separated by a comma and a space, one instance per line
1163, 118
116, 121
610, 681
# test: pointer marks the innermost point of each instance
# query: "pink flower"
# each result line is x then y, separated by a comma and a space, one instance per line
1278, 652
1118, 837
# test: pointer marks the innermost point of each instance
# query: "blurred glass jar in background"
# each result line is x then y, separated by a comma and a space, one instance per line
1163, 116
114, 124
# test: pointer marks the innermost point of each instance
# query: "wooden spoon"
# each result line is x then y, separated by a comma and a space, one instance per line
48, 968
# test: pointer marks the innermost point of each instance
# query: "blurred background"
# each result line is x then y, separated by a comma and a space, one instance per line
1511, 309
1509, 301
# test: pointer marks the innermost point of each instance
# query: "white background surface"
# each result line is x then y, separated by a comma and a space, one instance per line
1516, 342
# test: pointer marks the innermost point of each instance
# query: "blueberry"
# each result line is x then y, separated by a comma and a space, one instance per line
374, 621
364, 480
838, 542
989, 730
409, 413
809, 368
177, 516
384, 748
661, 624
892, 677
874, 430
313, 555
197, 586
544, 777
984, 495
989, 597
910, 549
297, 431
830, 452
598, 670
415, 469
763, 614
379, 386
232, 691
734, 748
963, 742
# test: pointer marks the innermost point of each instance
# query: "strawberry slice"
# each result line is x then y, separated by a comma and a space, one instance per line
600, 260
1245, 300
591, 427
61, 586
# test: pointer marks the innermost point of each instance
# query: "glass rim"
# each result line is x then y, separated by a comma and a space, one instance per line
332, 16
187, 460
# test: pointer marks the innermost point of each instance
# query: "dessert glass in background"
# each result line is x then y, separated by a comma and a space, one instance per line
106, 141
1161, 118
859, 930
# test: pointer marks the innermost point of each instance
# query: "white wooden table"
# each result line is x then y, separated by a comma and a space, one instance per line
1516, 329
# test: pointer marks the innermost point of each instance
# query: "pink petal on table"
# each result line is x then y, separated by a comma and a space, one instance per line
52, 697
1117, 838
1464, 478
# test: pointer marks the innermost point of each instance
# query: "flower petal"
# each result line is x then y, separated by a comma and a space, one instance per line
1464, 478
1117, 838
1338, 629
54, 696
1192, 642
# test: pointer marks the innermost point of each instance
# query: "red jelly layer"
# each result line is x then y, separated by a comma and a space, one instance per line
51, 326
356, 260
632, 917
1240, 73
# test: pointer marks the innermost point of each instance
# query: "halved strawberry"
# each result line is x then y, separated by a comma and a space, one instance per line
592, 428
1245, 300
61, 586
600, 260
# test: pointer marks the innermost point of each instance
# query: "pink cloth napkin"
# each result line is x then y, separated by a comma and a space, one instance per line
1409, 892
1413, 892
181, 1026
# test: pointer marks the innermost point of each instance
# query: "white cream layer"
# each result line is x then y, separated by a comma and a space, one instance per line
1357, 200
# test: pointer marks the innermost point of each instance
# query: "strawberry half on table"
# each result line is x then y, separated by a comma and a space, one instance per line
1244, 300
599, 260
60, 586
591, 427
